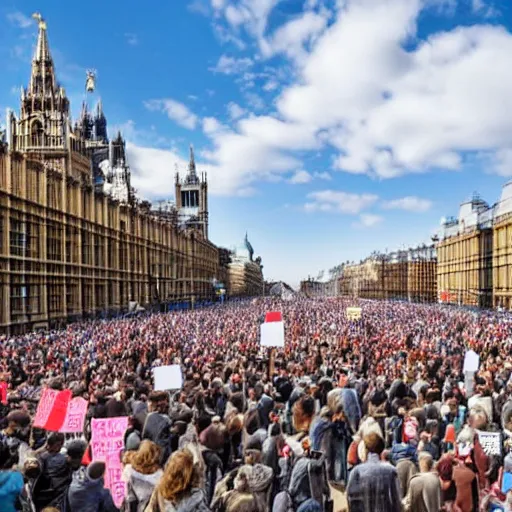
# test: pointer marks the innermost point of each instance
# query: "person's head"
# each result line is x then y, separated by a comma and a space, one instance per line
96, 470
159, 402
179, 476
425, 462
55, 442
146, 459
8, 454
18, 424
258, 390
374, 443
76, 450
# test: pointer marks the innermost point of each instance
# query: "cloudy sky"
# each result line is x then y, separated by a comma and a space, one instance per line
328, 128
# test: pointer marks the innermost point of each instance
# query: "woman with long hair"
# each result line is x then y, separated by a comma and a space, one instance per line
141, 473
178, 490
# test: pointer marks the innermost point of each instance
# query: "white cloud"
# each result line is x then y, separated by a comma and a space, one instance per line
176, 111
300, 177
235, 111
322, 176
339, 202
402, 111
368, 220
20, 20
131, 39
501, 162
294, 37
271, 85
231, 65
408, 204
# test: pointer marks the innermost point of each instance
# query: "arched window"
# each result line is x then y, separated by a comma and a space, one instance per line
37, 133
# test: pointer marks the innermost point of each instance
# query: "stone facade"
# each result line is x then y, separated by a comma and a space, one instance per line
74, 241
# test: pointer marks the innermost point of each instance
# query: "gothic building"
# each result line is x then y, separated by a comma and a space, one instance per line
192, 198
74, 239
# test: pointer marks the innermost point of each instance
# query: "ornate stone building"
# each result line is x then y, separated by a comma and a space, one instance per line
465, 256
245, 272
74, 239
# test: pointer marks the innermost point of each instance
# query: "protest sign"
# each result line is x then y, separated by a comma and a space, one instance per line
75, 416
3, 392
471, 361
490, 442
56, 412
107, 442
168, 377
272, 330
354, 313
52, 409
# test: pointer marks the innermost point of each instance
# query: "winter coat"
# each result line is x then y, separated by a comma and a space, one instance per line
333, 439
194, 501
374, 486
157, 428
140, 487
52, 485
424, 493
11, 485
88, 495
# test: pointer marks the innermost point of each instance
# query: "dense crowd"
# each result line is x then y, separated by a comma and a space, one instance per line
374, 415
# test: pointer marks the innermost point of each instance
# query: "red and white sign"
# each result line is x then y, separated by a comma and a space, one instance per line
57, 412
272, 330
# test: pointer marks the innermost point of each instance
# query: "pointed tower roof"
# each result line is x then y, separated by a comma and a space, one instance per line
42, 79
99, 109
192, 162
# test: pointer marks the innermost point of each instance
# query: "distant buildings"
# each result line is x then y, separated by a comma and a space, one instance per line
245, 272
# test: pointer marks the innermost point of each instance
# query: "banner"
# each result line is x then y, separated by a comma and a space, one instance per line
57, 412
107, 442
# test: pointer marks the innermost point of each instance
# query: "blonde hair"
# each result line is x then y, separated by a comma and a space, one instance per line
146, 459
179, 476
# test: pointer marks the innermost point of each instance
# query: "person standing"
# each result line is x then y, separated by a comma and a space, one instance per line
374, 485
424, 494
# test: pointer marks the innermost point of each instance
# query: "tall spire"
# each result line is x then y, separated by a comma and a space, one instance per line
42, 79
192, 163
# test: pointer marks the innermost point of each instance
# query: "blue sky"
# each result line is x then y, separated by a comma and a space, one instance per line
328, 128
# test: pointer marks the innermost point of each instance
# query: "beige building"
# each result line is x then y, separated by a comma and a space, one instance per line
74, 239
465, 256
245, 272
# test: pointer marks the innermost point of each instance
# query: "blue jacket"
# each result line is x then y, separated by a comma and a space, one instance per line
11, 485
89, 495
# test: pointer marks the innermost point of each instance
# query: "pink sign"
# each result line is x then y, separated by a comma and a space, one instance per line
107, 441
75, 416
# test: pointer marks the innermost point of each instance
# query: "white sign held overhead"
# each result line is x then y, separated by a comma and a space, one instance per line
272, 334
471, 361
168, 377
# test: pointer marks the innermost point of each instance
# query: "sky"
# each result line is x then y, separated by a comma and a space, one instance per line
328, 128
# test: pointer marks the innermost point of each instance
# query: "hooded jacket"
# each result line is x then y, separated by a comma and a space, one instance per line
11, 485
88, 495
140, 488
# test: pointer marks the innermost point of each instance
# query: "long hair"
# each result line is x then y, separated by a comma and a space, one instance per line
179, 476
146, 459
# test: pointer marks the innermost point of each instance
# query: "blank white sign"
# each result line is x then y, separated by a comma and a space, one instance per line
471, 361
168, 377
272, 334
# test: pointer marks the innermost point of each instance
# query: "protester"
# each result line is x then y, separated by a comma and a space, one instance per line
348, 408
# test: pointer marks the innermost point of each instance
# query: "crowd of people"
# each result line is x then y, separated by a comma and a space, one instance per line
374, 415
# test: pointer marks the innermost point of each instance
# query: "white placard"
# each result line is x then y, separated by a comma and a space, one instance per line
354, 313
272, 334
471, 361
490, 442
168, 377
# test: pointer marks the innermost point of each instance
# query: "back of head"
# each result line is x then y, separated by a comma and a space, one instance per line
96, 470
374, 443
179, 475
